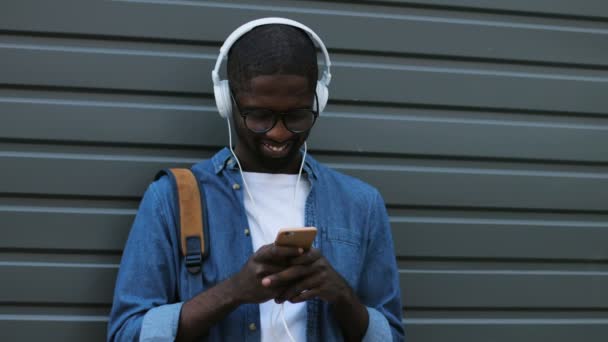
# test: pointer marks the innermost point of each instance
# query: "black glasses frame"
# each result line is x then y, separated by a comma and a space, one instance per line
275, 116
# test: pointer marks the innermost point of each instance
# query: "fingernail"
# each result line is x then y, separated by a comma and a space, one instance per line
301, 250
266, 281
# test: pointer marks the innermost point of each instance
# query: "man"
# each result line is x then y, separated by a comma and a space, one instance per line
344, 288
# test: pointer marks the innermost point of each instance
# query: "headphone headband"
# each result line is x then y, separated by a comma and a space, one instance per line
241, 30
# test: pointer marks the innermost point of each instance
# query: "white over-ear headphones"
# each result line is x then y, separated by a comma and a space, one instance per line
221, 88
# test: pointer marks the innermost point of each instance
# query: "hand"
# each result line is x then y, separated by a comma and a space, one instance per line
269, 259
309, 275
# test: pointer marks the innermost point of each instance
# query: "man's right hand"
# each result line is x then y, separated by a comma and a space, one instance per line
267, 260
200, 313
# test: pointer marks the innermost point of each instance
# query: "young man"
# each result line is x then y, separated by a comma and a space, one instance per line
344, 288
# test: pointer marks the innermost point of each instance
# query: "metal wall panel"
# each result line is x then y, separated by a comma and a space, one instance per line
483, 124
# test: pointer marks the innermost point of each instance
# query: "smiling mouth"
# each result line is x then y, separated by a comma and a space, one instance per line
277, 149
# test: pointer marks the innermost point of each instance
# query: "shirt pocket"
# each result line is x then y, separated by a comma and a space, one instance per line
343, 250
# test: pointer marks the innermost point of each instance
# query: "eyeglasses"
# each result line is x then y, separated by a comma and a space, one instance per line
262, 120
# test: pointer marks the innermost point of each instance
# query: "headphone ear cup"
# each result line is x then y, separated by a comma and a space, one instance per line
223, 100
322, 96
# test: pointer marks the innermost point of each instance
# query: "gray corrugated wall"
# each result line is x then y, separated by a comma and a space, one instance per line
483, 123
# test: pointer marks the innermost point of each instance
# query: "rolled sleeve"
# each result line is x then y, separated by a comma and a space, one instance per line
377, 328
160, 323
383, 299
146, 284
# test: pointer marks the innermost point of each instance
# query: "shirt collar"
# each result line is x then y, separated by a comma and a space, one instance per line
224, 160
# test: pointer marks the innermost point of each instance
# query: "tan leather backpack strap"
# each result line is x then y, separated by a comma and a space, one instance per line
190, 207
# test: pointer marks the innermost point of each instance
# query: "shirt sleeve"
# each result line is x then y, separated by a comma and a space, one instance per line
379, 287
145, 306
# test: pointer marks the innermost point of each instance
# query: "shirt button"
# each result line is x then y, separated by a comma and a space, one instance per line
252, 327
247, 232
236, 186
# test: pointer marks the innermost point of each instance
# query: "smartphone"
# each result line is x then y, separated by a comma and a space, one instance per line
296, 237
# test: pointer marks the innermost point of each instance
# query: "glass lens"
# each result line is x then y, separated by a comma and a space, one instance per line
259, 120
299, 120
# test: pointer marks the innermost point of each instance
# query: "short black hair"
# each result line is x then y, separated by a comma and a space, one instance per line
273, 49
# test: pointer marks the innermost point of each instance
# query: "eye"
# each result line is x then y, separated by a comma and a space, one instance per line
300, 120
259, 120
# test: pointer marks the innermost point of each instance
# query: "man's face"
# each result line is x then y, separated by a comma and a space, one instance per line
275, 151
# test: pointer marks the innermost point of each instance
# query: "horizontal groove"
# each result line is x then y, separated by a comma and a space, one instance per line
57, 96
27, 264
66, 210
474, 109
105, 104
535, 309
96, 157
469, 71
485, 221
105, 144
317, 153
349, 51
63, 251
506, 321
56, 305
110, 38
45, 196
369, 14
333, 113
110, 91
512, 260
504, 272
394, 105
421, 118
461, 158
494, 209
472, 9
464, 170
471, 59
476, 71
337, 165
53, 318
106, 50
526, 166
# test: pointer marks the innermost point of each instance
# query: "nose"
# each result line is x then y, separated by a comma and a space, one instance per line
279, 132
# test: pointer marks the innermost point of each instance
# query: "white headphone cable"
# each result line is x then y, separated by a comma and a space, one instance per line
295, 197
281, 308
245, 185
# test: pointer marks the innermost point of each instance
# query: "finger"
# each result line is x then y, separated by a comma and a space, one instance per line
276, 254
263, 270
306, 295
288, 275
299, 287
307, 257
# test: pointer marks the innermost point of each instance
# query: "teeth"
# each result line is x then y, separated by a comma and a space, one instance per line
276, 148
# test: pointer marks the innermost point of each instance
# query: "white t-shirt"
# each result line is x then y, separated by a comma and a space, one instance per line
274, 208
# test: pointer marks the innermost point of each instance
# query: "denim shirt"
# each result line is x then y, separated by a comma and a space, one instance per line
353, 235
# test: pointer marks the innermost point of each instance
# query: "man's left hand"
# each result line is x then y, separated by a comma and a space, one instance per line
310, 275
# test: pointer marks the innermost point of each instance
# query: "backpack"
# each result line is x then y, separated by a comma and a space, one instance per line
193, 228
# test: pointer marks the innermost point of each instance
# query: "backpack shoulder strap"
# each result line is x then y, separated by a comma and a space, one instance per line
191, 208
